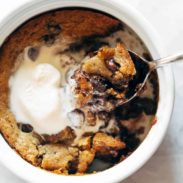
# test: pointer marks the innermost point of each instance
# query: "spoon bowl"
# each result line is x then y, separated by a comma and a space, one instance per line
143, 69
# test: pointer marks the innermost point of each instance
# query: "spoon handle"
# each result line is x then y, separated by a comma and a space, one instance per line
167, 60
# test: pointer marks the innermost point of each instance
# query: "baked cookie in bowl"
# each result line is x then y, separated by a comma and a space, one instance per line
38, 116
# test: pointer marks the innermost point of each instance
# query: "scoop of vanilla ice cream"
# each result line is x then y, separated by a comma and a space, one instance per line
42, 95
36, 95
36, 98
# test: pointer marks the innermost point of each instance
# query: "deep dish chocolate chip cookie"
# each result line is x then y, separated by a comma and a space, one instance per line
39, 114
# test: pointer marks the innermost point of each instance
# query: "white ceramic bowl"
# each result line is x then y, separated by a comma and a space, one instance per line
121, 171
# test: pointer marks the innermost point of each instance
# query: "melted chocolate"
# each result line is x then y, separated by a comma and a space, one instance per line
26, 128
112, 65
33, 53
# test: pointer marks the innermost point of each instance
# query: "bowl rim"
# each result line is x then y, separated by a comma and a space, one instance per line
145, 31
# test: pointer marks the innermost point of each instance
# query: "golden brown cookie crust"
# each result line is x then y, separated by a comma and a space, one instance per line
97, 64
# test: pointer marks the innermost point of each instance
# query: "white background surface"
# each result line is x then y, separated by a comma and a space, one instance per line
166, 166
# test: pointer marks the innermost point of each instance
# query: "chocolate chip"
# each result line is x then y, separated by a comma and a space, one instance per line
54, 28
89, 40
118, 40
33, 53
25, 128
112, 65
75, 47
73, 166
49, 38
149, 105
116, 28
140, 130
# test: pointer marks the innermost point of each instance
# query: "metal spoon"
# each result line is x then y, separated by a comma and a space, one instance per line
143, 70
